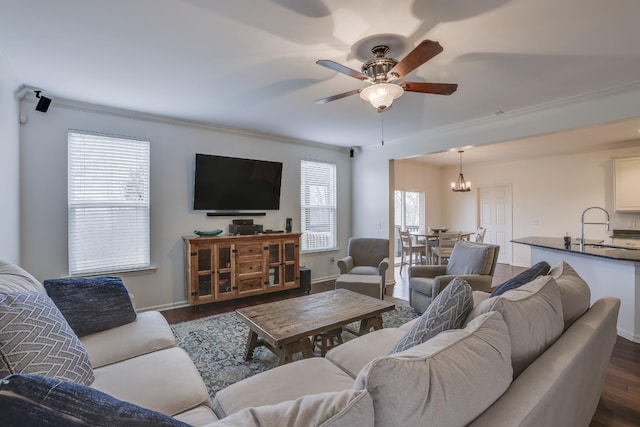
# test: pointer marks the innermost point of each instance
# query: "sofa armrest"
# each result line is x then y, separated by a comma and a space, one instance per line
382, 268
428, 271
477, 282
439, 283
345, 264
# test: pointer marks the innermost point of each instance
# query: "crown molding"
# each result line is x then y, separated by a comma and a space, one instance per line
25, 92
522, 112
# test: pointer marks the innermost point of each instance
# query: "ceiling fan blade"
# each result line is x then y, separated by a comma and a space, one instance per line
342, 69
418, 56
338, 96
435, 88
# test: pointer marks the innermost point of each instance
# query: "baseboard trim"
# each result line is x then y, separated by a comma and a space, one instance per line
324, 279
164, 307
185, 303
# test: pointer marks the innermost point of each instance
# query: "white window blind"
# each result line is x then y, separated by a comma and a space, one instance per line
318, 205
108, 201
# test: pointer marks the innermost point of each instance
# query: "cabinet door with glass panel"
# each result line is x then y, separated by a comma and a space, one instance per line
212, 272
290, 263
274, 265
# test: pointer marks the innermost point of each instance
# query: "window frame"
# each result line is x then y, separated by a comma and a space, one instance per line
108, 203
325, 207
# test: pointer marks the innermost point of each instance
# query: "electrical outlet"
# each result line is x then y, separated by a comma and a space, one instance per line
332, 260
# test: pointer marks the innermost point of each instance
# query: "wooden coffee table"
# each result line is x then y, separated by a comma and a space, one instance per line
285, 327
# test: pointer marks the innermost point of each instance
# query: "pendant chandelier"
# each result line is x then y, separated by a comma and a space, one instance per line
461, 185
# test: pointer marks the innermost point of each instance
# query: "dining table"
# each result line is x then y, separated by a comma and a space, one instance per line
431, 240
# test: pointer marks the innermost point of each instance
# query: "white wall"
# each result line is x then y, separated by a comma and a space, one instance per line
412, 175
563, 115
173, 147
9, 166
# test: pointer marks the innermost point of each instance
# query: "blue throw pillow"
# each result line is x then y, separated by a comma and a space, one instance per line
93, 304
34, 400
448, 310
540, 269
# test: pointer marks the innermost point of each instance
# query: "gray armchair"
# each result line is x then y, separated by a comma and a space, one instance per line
473, 262
366, 256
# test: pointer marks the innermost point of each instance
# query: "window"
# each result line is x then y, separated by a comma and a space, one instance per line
409, 210
318, 205
108, 202
409, 214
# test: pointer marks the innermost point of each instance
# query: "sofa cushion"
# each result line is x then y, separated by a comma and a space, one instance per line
533, 313
574, 292
14, 278
364, 270
446, 381
36, 339
286, 382
199, 416
563, 386
34, 400
539, 269
353, 355
337, 409
470, 258
148, 333
93, 304
449, 310
166, 381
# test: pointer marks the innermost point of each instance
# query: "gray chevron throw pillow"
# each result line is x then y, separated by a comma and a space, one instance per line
36, 339
448, 310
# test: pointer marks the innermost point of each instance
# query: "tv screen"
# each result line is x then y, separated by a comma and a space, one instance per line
230, 183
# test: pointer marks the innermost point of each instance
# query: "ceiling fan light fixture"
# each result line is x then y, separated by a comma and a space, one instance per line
381, 95
461, 185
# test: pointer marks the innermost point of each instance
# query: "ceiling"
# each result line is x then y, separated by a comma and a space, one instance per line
250, 64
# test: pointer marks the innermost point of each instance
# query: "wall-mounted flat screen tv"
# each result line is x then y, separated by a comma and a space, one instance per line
230, 183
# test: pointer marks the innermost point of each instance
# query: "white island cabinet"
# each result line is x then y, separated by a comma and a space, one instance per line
609, 271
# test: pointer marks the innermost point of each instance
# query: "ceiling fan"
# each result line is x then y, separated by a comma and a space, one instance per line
382, 72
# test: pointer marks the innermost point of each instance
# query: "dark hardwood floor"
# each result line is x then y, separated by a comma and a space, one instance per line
619, 404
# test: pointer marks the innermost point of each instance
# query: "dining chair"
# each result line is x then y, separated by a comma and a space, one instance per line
409, 249
430, 240
480, 235
446, 242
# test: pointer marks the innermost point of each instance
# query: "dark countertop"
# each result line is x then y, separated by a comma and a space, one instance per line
592, 248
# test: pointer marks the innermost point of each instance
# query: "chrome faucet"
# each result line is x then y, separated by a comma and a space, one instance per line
606, 224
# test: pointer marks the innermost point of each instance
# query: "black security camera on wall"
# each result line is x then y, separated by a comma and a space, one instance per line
43, 102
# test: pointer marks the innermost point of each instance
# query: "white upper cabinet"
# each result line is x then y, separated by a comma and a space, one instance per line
627, 184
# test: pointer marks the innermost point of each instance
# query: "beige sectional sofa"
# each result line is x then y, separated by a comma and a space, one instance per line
535, 356
137, 362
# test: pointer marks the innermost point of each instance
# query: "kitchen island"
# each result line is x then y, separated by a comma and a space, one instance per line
609, 270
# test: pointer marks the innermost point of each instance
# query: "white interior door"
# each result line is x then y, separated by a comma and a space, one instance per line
496, 216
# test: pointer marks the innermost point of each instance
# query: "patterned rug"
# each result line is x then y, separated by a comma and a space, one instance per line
216, 344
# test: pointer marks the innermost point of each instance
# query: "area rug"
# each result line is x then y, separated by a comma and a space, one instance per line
216, 344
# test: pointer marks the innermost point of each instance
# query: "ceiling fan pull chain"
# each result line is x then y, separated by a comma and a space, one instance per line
382, 129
